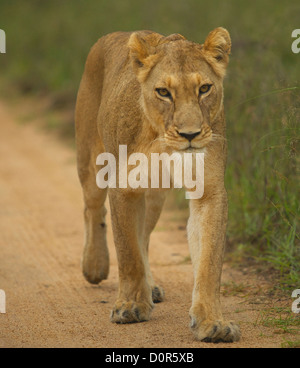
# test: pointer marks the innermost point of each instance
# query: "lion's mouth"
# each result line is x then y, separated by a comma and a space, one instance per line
194, 146
181, 144
191, 148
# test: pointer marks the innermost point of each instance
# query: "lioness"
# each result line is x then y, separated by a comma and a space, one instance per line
155, 94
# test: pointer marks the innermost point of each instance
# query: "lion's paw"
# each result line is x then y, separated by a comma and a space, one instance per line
158, 294
216, 331
130, 312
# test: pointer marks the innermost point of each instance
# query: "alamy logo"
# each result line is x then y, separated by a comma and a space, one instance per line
2, 42
296, 43
2, 301
180, 170
296, 303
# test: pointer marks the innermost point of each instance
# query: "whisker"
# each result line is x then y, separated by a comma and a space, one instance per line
218, 137
158, 139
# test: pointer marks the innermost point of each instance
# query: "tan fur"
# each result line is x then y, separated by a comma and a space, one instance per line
118, 104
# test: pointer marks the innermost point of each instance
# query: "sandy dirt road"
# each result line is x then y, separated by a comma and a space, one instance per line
49, 304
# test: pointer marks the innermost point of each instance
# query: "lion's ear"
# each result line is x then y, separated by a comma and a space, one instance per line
217, 47
142, 53
139, 49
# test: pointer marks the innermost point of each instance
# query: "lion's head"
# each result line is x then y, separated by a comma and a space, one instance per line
181, 84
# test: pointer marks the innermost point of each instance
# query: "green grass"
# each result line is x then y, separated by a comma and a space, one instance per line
281, 320
232, 288
291, 344
47, 44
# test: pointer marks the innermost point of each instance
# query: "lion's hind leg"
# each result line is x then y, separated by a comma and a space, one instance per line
154, 204
95, 261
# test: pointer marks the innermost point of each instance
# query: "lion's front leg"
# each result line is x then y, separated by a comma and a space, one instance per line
206, 232
134, 303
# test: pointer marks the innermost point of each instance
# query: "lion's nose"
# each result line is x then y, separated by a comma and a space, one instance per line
189, 136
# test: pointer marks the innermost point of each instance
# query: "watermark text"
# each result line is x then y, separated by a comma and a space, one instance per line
2, 301
159, 170
296, 303
296, 43
2, 42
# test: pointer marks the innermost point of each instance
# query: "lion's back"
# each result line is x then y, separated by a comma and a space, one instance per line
106, 56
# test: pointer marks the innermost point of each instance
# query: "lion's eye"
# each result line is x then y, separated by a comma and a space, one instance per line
204, 89
163, 92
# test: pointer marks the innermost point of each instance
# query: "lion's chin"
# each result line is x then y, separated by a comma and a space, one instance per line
191, 147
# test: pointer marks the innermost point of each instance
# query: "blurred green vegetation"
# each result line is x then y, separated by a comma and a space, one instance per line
47, 44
